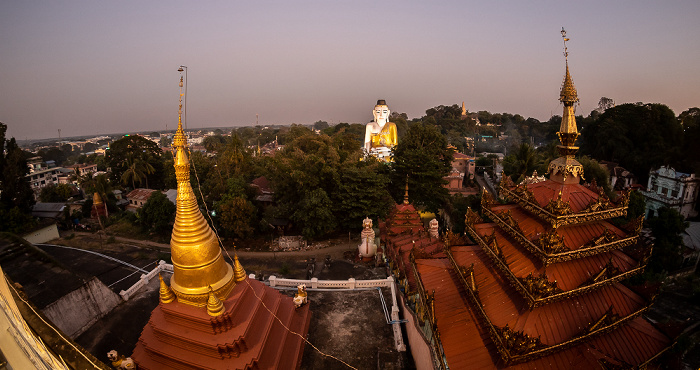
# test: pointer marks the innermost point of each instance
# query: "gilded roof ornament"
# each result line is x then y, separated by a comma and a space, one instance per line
405, 195
96, 199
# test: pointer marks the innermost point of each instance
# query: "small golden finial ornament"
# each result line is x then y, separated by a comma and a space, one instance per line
238, 271
405, 195
214, 305
166, 294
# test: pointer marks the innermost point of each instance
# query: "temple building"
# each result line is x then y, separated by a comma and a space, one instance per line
211, 315
542, 286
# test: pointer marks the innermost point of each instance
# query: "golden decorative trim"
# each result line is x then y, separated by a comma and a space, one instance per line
486, 243
558, 207
606, 237
550, 242
517, 343
539, 286
471, 217
533, 352
525, 199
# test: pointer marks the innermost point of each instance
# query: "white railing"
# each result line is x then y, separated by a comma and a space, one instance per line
145, 278
331, 284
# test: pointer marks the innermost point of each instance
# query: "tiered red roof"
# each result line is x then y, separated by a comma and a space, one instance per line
245, 336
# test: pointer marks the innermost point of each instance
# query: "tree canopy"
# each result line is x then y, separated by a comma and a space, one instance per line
423, 158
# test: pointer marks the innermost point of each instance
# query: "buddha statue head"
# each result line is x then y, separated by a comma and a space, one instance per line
381, 112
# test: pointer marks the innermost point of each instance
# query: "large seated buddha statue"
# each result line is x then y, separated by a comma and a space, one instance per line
380, 134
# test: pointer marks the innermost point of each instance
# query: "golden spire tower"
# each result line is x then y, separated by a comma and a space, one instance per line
566, 169
197, 260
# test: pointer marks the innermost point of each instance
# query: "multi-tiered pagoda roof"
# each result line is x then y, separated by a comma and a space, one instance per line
544, 285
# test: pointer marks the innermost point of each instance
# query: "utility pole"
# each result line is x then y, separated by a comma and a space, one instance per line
59, 134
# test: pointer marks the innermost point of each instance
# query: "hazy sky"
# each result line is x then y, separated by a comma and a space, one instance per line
93, 67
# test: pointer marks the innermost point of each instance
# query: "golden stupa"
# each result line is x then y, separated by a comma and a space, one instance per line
197, 260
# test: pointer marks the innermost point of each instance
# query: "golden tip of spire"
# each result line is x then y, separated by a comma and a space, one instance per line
214, 305
238, 271
166, 294
96, 199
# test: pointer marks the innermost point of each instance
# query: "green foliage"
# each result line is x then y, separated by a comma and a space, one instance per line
138, 156
235, 215
522, 163
55, 193
16, 221
637, 136
14, 185
592, 170
157, 215
458, 208
668, 245
637, 205
314, 212
423, 158
362, 193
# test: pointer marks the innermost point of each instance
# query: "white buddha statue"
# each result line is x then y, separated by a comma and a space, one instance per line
380, 134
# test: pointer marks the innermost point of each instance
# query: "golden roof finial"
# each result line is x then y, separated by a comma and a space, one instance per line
197, 260
238, 271
405, 194
214, 305
180, 140
166, 294
568, 94
96, 199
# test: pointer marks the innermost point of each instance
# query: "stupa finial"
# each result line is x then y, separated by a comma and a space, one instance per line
166, 294
405, 195
198, 264
214, 305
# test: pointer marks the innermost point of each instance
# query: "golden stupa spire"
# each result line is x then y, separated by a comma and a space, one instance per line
405, 195
198, 264
166, 294
238, 271
96, 199
566, 169
214, 305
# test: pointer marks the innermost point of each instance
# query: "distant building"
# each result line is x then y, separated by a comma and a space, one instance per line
137, 198
83, 169
620, 178
670, 188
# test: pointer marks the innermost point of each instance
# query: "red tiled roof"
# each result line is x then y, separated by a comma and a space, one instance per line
575, 235
578, 196
553, 323
464, 341
568, 275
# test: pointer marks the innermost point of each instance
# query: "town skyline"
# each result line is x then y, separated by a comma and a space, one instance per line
92, 69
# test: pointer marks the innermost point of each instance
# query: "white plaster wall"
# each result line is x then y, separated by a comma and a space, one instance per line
76, 311
43, 235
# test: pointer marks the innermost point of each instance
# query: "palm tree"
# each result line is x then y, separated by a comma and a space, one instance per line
138, 170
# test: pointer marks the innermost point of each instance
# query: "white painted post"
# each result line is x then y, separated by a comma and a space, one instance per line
351, 283
272, 280
314, 283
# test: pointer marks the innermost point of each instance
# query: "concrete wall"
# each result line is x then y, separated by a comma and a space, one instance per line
420, 349
76, 311
42, 235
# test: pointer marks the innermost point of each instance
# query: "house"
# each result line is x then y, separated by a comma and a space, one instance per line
670, 188
137, 198
620, 178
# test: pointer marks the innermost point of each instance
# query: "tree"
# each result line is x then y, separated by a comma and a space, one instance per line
320, 125
423, 159
157, 215
55, 193
139, 152
362, 193
16, 196
314, 213
637, 136
668, 246
235, 214
522, 163
592, 170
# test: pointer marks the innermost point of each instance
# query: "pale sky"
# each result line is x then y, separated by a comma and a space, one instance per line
95, 67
